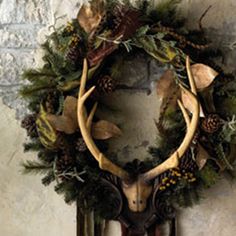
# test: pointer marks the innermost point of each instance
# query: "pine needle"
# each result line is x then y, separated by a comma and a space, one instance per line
33, 167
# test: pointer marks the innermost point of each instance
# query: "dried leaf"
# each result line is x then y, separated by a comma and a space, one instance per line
104, 130
90, 15
202, 157
203, 75
70, 108
188, 103
96, 56
62, 123
166, 85
129, 22
67, 122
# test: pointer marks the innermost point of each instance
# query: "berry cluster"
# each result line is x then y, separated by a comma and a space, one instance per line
174, 176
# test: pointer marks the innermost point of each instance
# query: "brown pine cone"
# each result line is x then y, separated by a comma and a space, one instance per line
187, 163
106, 85
211, 123
51, 102
29, 123
81, 145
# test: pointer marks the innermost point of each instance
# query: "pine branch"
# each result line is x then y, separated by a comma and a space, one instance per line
69, 189
33, 146
208, 175
47, 156
33, 167
29, 90
49, 178
222, 157
55, 60
36, 74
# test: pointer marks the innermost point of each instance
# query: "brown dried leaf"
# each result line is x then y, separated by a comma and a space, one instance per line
203, 75
166, 85
129, 22
188, 101
70, 108
104, 130
67, 122
202, 157
62, 123
90, 15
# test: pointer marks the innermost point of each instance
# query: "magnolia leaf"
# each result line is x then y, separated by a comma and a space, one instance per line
47, 134
168, 91
166, 85
67, 122
203, 75
188, 103
62, 123
201, 157
90, 15
70, 108
104, 130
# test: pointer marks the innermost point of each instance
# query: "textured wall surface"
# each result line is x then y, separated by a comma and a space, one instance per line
26, 207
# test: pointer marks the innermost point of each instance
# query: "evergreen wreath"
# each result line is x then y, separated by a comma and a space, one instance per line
106, 33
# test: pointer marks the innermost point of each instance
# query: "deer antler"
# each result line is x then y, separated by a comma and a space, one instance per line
85, 123
173, 160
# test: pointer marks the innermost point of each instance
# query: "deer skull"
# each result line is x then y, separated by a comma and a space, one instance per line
137, 193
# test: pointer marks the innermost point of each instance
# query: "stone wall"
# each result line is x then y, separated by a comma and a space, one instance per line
26, 207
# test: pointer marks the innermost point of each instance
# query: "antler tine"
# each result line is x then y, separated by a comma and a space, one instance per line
185, 113
90, 118
85, 123
173, 160
190, 76
83, 79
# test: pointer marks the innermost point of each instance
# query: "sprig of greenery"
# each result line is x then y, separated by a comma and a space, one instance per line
34, 167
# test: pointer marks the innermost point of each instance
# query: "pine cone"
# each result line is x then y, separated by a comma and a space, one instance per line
106, 85
211, 123
81, 145
51, 102
187, 163
29, 123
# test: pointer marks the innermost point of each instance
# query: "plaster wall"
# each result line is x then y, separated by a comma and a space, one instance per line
27, 207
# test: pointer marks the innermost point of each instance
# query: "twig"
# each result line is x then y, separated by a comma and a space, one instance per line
232, 124
202, 17
115, 41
